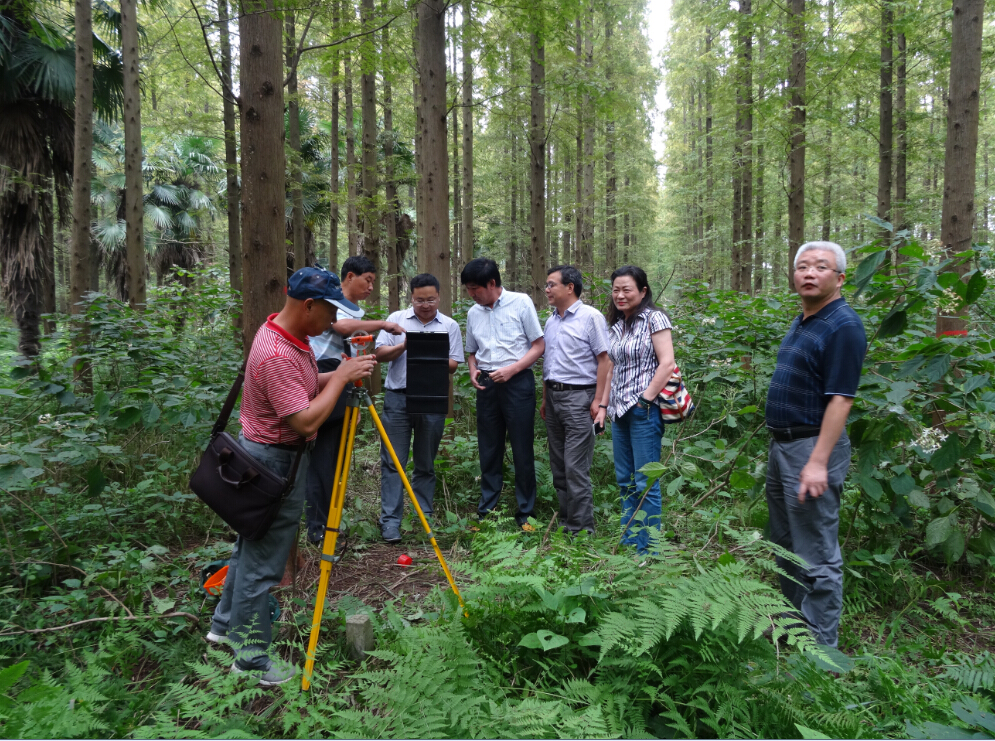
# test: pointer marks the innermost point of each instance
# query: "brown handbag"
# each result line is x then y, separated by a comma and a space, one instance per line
241, 490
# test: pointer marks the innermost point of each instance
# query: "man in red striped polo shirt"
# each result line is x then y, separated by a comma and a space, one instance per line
284, 401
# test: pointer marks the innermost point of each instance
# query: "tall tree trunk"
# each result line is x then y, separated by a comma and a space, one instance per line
433, 231
457, 261
352, 216
579, 197
48, 284
80, 265
827, 173
333, 226
626, 234
513, 239
537, 160
885, 131
231, 161
902, 142
467, 239
134, 240
371, 215
709, 177
796, 83
745, 266
587, 246
758, 240
264, 256
960, 160
294, 142
611, 238
390, 186
422, 256
567, 213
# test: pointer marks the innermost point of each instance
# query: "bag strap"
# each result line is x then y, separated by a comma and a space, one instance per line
229, 404
292, 476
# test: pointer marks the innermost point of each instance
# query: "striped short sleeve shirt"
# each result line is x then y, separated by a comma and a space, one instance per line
631, 351
281, 378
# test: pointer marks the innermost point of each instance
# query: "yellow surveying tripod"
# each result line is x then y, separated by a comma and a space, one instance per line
357, 398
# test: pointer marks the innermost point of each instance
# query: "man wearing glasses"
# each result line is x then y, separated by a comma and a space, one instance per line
422, 316
811, 392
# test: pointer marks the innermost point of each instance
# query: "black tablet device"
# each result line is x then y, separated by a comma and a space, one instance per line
428, 372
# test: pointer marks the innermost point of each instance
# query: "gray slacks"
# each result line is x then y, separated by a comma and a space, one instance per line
570, 432
809, 529
256, 565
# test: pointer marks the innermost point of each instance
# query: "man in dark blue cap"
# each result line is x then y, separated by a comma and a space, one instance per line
284, 402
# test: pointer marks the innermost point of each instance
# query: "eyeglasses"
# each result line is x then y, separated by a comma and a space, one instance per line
551, 284
820, 269
425, 301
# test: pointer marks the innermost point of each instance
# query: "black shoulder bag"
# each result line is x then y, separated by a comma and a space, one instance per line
240, 489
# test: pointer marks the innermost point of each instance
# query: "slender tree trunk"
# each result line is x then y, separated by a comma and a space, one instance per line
352, 215
796, 83
611, 237
333, 226
758, 240
746, 251
960, 160
537, 161
827, 173
709, 177
421, 255
294, 142
264, 256
371, 215
390, 186
457, 260
467, 238
231, 161
80, 267
134, 240
587, 246
567, 214
433, 232
48, 284
901, 143
579, 197
513, 240
626, 233
885, 130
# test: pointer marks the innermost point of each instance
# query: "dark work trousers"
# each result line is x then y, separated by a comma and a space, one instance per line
570, 432
321, 473
507, 409
809, 529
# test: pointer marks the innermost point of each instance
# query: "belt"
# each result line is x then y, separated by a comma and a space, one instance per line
557, 386
787, 434
399, 391
291, 448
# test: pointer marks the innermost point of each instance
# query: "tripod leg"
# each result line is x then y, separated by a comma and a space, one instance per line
414, 503
331, 534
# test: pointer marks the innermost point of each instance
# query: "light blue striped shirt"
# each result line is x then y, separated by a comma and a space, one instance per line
502, 334
573, 344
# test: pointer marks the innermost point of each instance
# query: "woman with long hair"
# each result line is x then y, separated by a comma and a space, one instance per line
642, 361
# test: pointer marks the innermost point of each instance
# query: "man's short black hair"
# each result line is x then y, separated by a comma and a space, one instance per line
424, 280
357, 265
569, 274
480, 271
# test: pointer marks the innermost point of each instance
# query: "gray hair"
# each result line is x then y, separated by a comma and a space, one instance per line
829, 247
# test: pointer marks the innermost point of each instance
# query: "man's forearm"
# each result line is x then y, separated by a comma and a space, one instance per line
346, 327
307, 421
604, 364
833, 423
388, 353
528, 359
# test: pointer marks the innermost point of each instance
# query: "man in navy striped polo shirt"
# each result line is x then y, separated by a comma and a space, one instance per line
809, 400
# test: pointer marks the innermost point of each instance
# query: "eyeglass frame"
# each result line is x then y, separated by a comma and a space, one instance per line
817, 268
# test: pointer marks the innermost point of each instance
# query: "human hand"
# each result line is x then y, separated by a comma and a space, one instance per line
542, 410
813, 480
474, 375
595, 408
393, 328
353, 369
599, 418
503, 375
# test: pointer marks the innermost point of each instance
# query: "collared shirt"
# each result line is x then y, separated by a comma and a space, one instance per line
820, 357
281, 378
573, 344
330, 344
397, 370
631, 350
502, 335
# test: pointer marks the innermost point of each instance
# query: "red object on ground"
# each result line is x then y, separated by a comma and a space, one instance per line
404, 560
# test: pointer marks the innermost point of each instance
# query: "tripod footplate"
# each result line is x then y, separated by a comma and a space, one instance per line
331, 558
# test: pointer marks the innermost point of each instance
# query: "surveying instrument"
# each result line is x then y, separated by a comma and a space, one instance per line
357, 398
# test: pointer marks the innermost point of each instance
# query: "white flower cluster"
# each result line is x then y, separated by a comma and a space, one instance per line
989, 274
949, 302
717, 363
708, 320
46, 419
930, 439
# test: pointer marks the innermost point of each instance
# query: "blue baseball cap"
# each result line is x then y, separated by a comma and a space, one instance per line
318, 283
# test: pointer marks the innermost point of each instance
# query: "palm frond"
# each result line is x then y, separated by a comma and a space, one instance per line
109, 233
159, 216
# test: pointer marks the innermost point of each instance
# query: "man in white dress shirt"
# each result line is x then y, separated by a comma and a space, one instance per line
422, 316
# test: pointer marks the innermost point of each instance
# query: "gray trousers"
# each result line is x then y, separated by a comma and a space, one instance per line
427, 429
256, 565
809, 529
570, 432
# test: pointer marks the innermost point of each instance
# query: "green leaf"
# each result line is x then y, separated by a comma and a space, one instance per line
900, 391
937, 367
975, 287
917, 498
150, 414
32, 472
101, 403
871, 486
127, 417
741, 480
984, 502
577, 615
894, 324
947, 456
973, 383
726, 558
938, 531
10, 675
868, 266
810, 733
95, 482
748, 410
902, 484
550, 640
653, 471
530, 641
13, 395
953, 546
589, 639
675, 486
912, 249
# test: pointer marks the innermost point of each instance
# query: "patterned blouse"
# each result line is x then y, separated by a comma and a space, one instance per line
634, 358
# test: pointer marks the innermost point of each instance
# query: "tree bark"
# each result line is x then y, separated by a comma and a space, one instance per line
567, 212
758, 240
626, 233
134, 240
390, 186
611, 236
333, 227
578, 258
901, 143
960, 160
433, 229
742, 263
371, 211
513, 234
80, 267
885, 130
587, 245
352, 217
231, 161
796, 83
467, 239
294, 142
457, 204
827, 173
709, 176
537, 161
264, 256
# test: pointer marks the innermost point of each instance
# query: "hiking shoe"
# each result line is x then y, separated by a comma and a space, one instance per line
526, 527
391, 535
278, 673
216, 638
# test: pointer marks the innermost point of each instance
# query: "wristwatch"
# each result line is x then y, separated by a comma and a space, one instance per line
643, 403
